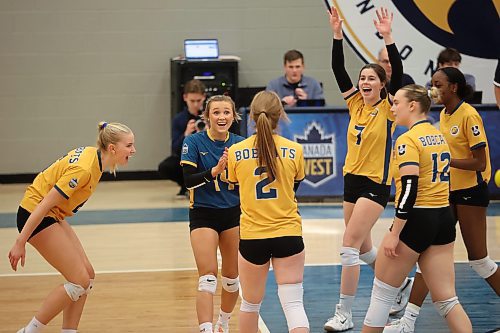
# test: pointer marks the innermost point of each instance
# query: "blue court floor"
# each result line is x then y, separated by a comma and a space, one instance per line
321, 293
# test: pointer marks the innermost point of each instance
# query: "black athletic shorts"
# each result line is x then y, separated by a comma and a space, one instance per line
428, 226
260, 251
22, 217
356, 187
218, 219
472, 196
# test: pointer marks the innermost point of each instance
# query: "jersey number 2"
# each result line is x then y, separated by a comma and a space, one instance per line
272, 193
444, 174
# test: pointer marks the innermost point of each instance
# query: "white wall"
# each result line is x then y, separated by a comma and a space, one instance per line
66, 65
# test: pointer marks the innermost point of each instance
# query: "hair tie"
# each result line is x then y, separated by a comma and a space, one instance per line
103, 126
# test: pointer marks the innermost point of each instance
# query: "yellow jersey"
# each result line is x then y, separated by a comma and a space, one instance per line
268, 209
74, 176
464, 131
369, 139
425, 146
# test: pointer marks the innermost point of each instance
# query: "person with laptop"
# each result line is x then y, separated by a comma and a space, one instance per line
295, 86
450, 57
184, 124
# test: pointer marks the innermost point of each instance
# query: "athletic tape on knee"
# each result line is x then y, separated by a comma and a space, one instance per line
207, 283
230, 285
349, 256
418, 269
74, 291
370, 256
91, 285
484, 267
383, 295
444, 307
249, 307
291, 297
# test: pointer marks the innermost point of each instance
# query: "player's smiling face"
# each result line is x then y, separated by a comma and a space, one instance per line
124, 149
370, 84
220, 117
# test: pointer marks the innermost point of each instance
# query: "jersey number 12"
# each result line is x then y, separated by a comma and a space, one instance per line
444, 173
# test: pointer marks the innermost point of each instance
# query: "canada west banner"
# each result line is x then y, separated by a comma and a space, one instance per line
323, 138
423, 28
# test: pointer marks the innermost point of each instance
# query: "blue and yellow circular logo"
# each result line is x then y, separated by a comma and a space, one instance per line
423, 28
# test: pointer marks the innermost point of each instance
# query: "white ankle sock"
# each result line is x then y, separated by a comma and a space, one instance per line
68, 330
224, 317
206, 328
346, 302
34, 326
411, 314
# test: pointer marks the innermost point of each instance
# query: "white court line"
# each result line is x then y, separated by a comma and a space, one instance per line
156, 270
159, 270
262, 326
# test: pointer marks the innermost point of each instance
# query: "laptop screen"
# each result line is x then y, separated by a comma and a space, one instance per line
201, 48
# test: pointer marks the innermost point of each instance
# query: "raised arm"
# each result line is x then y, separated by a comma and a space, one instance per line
338, 67
383, 24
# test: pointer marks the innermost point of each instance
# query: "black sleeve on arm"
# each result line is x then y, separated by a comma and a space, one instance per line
296, 185
193, 179
338, 66
397, 68
408, 196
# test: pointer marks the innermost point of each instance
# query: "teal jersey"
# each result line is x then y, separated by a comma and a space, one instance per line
203, 152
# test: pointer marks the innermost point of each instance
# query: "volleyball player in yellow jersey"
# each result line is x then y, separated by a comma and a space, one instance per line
423, 229
268, 169
367, 175
57, 192
470, 170
463, 128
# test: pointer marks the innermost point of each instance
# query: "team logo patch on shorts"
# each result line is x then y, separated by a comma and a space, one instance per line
73, 183
475, 130
454, 130
185, 148
401, 149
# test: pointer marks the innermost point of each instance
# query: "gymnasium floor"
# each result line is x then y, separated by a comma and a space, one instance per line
136, 235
